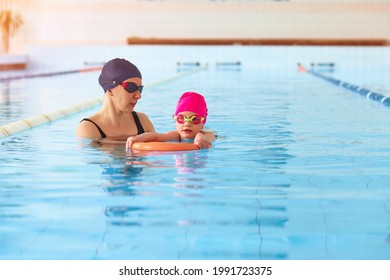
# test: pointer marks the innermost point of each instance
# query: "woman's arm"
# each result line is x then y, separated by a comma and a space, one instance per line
152, 137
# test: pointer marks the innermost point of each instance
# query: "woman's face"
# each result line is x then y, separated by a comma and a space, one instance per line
127, 94
188, 125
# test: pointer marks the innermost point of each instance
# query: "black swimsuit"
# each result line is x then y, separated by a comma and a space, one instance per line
136, 120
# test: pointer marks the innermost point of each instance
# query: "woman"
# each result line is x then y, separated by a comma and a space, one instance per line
116, 121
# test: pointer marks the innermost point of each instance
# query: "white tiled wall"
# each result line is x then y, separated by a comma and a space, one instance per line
63, 22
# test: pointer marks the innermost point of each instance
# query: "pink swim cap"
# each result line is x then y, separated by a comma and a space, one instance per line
193, 102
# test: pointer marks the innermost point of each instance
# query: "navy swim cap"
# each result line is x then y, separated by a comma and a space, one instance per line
116, 71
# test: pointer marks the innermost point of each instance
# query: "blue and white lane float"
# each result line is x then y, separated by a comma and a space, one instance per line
369, 94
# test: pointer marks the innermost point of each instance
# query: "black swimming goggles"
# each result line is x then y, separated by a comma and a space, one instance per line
131, 87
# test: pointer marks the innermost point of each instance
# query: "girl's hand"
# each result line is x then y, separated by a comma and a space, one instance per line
201, 141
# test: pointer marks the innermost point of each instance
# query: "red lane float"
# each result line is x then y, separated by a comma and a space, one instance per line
164, 146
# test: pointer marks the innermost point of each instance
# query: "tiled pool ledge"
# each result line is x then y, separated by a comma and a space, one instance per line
13, 62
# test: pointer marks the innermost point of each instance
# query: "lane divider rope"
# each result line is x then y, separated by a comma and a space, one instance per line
40, 75
384, 100
24, 124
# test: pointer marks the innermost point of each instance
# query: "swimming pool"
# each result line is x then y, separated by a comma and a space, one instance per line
299, 171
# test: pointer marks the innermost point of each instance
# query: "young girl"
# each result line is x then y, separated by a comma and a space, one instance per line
190, 117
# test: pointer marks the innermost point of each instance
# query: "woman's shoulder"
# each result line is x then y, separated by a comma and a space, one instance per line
141, 115
87, 128
145, 121
90, 127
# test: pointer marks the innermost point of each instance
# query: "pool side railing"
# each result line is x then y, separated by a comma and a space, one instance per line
369, 94
24, 124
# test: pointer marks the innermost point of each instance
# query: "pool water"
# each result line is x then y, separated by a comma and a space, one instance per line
299, 171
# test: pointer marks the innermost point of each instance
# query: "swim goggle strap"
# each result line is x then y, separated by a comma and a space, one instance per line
181, 119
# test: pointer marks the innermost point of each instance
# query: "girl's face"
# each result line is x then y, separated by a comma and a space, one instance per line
188, 124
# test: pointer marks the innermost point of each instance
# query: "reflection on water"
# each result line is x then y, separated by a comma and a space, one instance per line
8, 112
120, 177
187, 164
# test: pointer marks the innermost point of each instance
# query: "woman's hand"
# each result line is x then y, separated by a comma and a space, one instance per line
201, 141
130, 141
